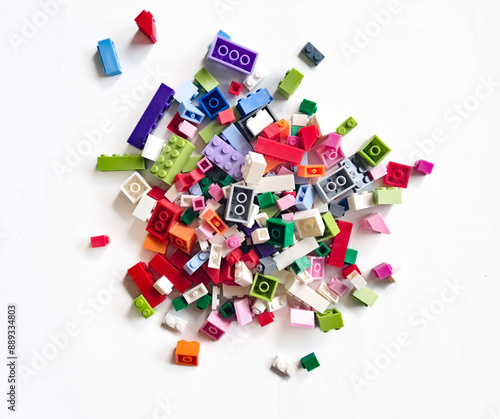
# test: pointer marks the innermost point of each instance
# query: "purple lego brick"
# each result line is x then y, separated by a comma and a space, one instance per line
265, 249
151, 116
249, 230
225, 157
231, 55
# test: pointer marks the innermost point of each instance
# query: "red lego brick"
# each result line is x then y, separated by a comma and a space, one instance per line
289, 193
251, 259
226, 117
213, 273
226, 273
234, 256
235, 88
174, 125
164, 216
99, 241
339, 244
179, 259
144, 281
272, 132
184, 181
265, 318
157, 193
346, 270
146, 24
308, 136
279, 151
166, 269
397, 175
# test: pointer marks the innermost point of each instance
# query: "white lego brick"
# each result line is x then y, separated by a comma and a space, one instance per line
321, 206
307, 295
220, 240
304, 277
204, 247
215, 297
357, 280
187, 200
195, 293
144, 208
215, 256
135, 187
230, 291
258, 306
299, 120
253, 213
152, 148
361, 200
275, 184
284, 366
242, 275
295, 252
174, 322
254, 168
252, 81
261, 219
260, 235
284, 276
261, 120
309, 223
397, 276
163, 286
172, 194
277, 302
327, 293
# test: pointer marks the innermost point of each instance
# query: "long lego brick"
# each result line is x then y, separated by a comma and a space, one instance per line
232, 55
165, 268
225, 157
340, 243
109, 57
116, 162
253, 101
292, 253
144, 281
151, 116
279, 151
172, 159
179, 259
275, 184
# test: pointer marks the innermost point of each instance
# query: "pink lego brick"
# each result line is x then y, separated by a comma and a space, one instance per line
188, 129
423, 166
204, 165
204, 231
284, 171
288, 217
216, 325
337, 286
333, 140
99, 241
233, 242
226, 117
329, 156
243, 312
216, 191
382, 271
292, 140
375, 222
317, 268
198, 203
286, 202
378, 171
302, 318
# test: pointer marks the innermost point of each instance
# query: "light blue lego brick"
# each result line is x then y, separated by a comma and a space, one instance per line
189, 112
253, 101
186, 93
195, 190
305, 197
109, 58
234, 137
225, 157
193, 264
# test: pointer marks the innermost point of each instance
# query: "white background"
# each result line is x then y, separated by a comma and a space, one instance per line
402, 83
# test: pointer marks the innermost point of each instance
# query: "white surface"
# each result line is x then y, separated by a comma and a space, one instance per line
403, 86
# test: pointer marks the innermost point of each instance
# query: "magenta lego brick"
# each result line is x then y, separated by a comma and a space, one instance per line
225, 157
232, 55
151, 116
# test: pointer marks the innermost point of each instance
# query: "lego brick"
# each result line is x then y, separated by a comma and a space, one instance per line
261, 235
254, 79
135, 187
339, 244
174, 322
164, 215
317, 268
187, 353
186, 93
382, 270
423, 167
348, 269
351, 256
219, 226
311, 170
179, 303
266, 200
360, 201
278, 302
152, 148
329, 156
230, 291
232, 55
356, 280
330, 224
336, 210
154, 244
286, 202
198, 204
195, 293
191, 113
226, 116
235, 88
377, 172
309, 362
163, 285
109, 57
243, 312
241, 124
189, 131
301, 318
144, 208
151, 116
233, 242
203, 302
357, 171
120, 163
312, 54
234, 137
172, 159
206, 80
146, 24
303, 277
374, 151
242, 275
215, 256
166, 269
375, 222
308, 107
257, 123
144, 281
387, 196
253, 101
337, 286
289, 84
347, 126
323, 290
309, 223
330, 320
265, 318
275, 184
216, 192
225, 157
239, 204
300, 265
308, 136
157, 193
305, 197
263, 287
254, 168
182, 237
99, 241
365, 296
334, 185
215, 326
266, 266
213, 102
322, 249
302, 248
196, 262
398, 175
299, 120
280, 232
284, 366
143, 307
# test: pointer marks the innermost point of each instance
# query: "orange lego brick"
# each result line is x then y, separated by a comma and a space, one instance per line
187, 353
311, 170
182, 237
271, 164
284, 128
215, 222
154, 244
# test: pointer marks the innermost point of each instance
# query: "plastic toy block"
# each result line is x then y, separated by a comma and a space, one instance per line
374, 151
99, 241
423, 167
234, 256
305, 197
109, 57
172, 159
198, 203
311, 170
152, 148
174, 123
300, 120
154, 244
242, 275
278, 302
164, 216
330, 319
143, 306
151, 116
275, 184
308, 136
312, 54
258, 306
253, 80
157, 193
329, 156
286, 202
398, 275
243, 312
215, 326
309, 223
225, 157
340, 243
360, 201
347, 270
261, 235
257, 123
398, 175
234, 137
189, 216
264, 287
241, 124
387, 196
120, 163
309, 362
334, 185
253, 101
204, 165
144, 281
347, 126
206, 80
336, 210
356, 280
179, 303
187, 353
284, 367
239, 204
280, 232
203, 302
186, 93
358, 172
169, 271
146, 24
226, 116
163, 286
233, 242
266, 266
323, 249
195, 293
317, 268
235, 88
377, 172
265, 318
194, 264
301, 318
382, 271
251, 259
289, 84
375, 222
182, 237
295, 131
216, 192
187, 129
351, 256
279, 151
302, 248
174, 322
191, 113
304, 277
337, 286
213, 102
135, 187
307, 295
271, 132
266, 200
219, 226
284, 129
144, 208
365, 296
300, 264
232, 55
330, 224
309, 107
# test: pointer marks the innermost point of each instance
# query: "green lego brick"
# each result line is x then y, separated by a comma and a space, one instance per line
326, 236
227, 180
264, 287
309, 362
201, 90
143, 306
191, 164
204, 185
206, 80
280, 232
300, 264
295, 130
203, 302
179, 303
387, 196
213, 128
117, 163
290, 83
331, 224
266, 200
350, 256
365, 296
172, 159
323, 249
308, 106
189, 216
374, 151
347, 126
271, 212
330, 319
227, 309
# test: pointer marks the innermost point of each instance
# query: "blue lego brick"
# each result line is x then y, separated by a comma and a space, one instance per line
358, 172
241, 124
239, 204
222, 34
191, 113
196, 190
232, 55
334, 185
312, 53
253, 101
193, 264
305, 197
213, 102
337, 210
344, 203
266, 266
186, 93
236, 139
225, 157
109, 58
265, 249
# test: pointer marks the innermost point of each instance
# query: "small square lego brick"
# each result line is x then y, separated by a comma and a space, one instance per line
350, 256
146, 24
143, 307
423, 167
198, 203
179, 303
330, 319
152, 148
265, 318
213, 102
233, 242
323, 249
277, 303
260, 235
374, 151
299, 265
182, 237
187, 129
155, 244
204, 302
163, 285
356, 280
216, 325
308, 107
205, 80
337, 286
286, 202
299, 120
134, 187
216, 192
309, 362
99, 241
226, 117
301, 318
280, 232
266, 265
243, 313
312, 53
398, 175
235, 88
187, 353
264, 287
382, 270
174, 322
365, 296
186, 93
290, 83
227, 310
204, 165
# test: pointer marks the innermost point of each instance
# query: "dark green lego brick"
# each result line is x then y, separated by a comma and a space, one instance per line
264, 287
300, 264
143, 306
374, 151
227, 180
347, 126
179, 303
189, 216
244, 247
204, 185
295, 130
203, 302
227, 309
117, 162
280, 232
330, 320
266, 200
323, 250
350, 256
309, 362
308, 106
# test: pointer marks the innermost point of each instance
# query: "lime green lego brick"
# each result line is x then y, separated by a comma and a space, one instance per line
295, 130
309, 362
213, 128
172, 159
227, 309
191, 164
330, 320
301, 264
323, 249
308, 106
365, 296
374, 151
179, 303
117, 163
266, 200
280, 231
347, 126
290, 83
264, 287
387, 196
331, 224
271, 211
203, 302
206, 80
350, 256
143, 307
